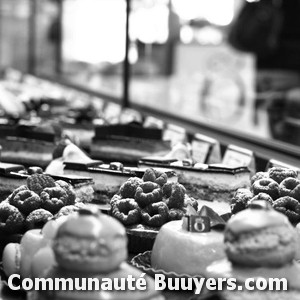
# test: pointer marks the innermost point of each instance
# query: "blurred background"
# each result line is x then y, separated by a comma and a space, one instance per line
178, 57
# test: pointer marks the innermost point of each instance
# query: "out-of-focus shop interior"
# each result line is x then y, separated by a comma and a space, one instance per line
170, 59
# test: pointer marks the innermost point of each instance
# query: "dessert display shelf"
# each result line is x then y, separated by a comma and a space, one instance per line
158, 204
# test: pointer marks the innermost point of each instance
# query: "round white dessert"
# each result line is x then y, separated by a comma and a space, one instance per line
183, 252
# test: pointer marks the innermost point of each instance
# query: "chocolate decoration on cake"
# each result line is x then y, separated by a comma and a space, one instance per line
196, 223
132, 130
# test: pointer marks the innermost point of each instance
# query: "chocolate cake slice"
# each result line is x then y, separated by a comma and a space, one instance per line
127, 142
27, 144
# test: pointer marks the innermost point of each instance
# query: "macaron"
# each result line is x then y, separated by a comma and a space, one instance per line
11, 259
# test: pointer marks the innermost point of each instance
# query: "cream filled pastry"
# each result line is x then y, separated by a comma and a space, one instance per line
260, 243
260, 237
93, 245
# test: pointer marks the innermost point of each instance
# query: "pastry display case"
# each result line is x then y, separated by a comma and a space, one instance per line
186, 66
135, 140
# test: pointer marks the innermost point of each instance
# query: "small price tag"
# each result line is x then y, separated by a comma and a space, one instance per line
195, 223
205, 150
239, 157
175, 134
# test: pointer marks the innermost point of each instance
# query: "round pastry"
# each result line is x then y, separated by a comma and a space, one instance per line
288, 206
71, 195
11, 220
93, 245
261, 244
127, 211
279, 174
259, 175
290, 187
260, 238
240, 200
267, 186
26, 201
37, 218
54, 199
128, 189
155, 214
90, 242
37, 182
11, 259
183, 252
148, 193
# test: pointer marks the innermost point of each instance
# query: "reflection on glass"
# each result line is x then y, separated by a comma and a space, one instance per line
94, 43
14, 33
186, 68
47, 36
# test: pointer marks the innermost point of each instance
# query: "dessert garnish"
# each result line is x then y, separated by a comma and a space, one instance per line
202, 221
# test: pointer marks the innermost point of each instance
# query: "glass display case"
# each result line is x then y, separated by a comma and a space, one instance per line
14, 33
167, 58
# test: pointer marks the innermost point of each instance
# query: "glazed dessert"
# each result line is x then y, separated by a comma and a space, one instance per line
279, 186
127, 142
92, 245
186, 246
27, 144
208, 182
260, 243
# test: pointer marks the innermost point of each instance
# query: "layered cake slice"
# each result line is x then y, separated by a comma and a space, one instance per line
83, 186
127, 142
13, 176
107, 177
71, 160
215, 182
27, 144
